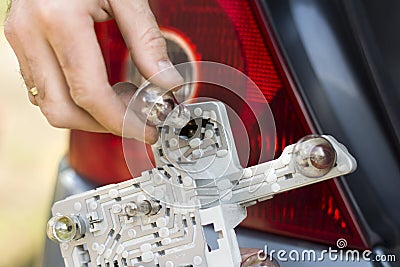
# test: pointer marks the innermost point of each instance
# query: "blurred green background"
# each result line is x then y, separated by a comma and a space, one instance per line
29, 153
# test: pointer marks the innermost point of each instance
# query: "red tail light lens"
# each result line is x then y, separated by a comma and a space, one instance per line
231, 32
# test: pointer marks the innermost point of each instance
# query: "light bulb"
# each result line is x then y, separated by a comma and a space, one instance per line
63, 228
314, 156
140, 208
154, 106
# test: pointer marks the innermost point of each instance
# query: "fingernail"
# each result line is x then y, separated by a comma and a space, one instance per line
168, 76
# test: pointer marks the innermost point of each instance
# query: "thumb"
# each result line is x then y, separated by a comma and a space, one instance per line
145, 41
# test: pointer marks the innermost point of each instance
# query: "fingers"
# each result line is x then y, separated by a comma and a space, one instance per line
12, 38
53, 98
84, 69
27, 76
81, 62
145, 41
40, 69
59, 54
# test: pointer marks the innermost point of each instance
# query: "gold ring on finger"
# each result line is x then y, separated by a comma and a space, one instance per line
34, 91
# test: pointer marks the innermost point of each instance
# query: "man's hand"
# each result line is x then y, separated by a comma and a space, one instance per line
58, 53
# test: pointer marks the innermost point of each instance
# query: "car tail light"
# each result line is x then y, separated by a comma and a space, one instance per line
233, 32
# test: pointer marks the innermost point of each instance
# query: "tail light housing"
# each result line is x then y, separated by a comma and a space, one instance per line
236, 33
